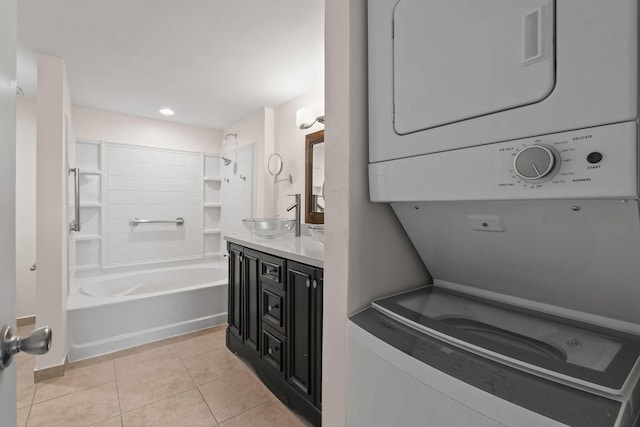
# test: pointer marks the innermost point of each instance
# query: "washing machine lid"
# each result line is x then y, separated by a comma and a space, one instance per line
567, 350
458, 59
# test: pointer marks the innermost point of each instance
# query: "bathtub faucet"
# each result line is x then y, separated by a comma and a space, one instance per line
296, 205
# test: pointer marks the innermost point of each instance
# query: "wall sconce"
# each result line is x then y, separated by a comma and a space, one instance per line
234, 135
304, 118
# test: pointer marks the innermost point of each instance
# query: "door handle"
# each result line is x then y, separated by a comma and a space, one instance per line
74, 225
37, 342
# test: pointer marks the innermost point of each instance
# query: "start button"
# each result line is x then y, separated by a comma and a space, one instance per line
594, 157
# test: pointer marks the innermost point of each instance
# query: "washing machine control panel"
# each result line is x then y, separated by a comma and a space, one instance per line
579, 160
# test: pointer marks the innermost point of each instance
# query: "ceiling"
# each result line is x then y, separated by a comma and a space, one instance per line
211, 61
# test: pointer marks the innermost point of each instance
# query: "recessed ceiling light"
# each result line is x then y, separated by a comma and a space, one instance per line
166, 111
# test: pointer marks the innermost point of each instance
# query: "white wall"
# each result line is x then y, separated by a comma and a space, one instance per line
52, 104
106, 126
274, 130
367, 253
25, 207
237, 189
254, 129
290, 144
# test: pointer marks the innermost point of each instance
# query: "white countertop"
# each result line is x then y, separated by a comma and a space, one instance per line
303, 249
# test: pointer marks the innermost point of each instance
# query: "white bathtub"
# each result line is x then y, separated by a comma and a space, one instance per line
119, 310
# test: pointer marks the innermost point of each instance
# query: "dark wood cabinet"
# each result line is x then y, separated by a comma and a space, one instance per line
275, 323
305, 329
244, 296
252, 318
235, 290
317, 328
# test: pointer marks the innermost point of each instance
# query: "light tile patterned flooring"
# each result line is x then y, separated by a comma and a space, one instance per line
190, 380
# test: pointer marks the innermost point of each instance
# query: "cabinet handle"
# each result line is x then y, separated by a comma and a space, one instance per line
240, 257
271, 350
315, 284
308, 283
271, 307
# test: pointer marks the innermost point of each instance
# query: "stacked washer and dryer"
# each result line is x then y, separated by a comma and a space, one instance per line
504, 134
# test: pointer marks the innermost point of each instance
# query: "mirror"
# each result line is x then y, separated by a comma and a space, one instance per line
314, 178
274, 166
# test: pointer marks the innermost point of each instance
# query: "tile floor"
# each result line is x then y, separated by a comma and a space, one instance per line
191, 380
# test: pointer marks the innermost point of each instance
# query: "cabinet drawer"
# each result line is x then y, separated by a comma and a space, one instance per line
272, 270
273, 309
273, 349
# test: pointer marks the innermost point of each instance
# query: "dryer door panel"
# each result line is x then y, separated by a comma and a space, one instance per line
459, 59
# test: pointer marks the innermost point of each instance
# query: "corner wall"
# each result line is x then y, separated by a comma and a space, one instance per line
367, 253
274, 130
254, 129
52, 105
25, 207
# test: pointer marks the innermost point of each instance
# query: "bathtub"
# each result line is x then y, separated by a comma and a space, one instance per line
122, 309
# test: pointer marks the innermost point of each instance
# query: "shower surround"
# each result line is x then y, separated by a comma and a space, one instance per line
120, 182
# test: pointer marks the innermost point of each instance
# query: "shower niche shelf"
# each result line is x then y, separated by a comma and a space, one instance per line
88, 241
87, 254
88, 237
212, 206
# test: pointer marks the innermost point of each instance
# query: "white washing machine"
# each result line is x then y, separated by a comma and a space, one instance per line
438, 358
504, 134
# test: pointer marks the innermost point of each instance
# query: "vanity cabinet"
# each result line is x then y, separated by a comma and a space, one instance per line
305, 330
244, 296
275, 323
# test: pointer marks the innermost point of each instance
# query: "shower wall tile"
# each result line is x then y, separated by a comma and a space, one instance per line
151, 184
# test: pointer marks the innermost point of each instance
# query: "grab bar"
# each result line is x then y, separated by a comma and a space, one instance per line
74, 225
135, 221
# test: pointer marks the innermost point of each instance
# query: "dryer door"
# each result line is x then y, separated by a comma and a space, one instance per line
459, 59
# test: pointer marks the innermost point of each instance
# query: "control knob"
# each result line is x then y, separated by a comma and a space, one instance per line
535, 162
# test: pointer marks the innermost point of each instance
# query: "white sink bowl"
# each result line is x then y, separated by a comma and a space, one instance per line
268, 228
317, 232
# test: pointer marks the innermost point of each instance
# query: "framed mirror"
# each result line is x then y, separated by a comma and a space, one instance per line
314, 178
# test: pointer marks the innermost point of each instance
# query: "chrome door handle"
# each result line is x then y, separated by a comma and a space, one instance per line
74, 225
37, 342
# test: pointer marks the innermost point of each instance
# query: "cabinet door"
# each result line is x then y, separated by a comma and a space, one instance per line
251, 332
300, 328
235, 290
318, 288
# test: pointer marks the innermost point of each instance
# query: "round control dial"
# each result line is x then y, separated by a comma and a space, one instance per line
535, 162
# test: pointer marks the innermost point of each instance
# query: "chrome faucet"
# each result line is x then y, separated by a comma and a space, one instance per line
297, 206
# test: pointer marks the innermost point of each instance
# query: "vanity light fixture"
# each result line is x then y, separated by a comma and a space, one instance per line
166, 111
304, 119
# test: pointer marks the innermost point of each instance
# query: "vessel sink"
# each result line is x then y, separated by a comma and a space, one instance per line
269, 228
317, 232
